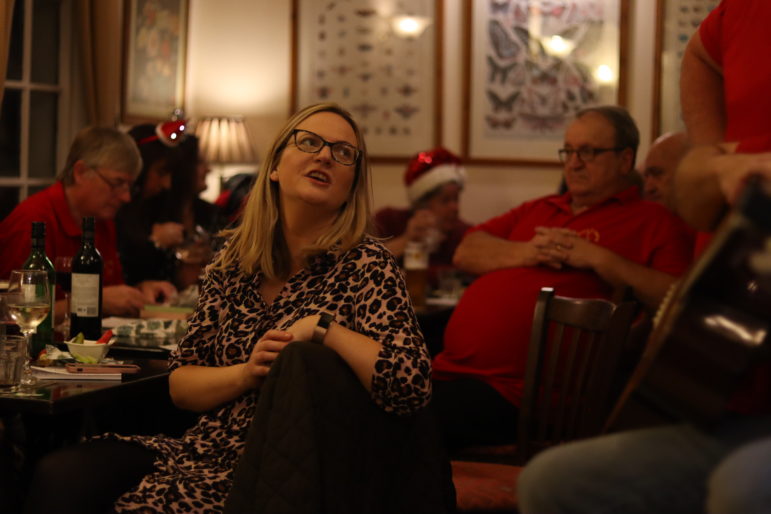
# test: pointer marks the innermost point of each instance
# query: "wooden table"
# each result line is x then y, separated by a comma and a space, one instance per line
59, 396
66, 411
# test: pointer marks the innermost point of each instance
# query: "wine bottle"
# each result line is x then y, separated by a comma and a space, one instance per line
86, 297
38, 260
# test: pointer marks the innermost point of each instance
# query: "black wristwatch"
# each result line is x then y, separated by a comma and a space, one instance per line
320, 331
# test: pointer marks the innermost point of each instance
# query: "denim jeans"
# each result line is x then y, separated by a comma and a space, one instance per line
664, 470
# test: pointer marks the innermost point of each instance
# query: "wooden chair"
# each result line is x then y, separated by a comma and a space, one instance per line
574, 352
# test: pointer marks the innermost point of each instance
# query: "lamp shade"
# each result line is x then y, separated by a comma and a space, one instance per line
225, 140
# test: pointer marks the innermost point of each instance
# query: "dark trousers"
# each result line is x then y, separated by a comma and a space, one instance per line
88, 477
471, 412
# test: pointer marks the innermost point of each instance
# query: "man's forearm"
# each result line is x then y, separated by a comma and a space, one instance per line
697, 195
649, 285
480, 252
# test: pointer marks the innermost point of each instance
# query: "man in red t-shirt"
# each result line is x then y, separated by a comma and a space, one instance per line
725, 83
95, 181
597, 237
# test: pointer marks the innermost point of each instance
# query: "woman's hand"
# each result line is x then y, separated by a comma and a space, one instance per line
263, 354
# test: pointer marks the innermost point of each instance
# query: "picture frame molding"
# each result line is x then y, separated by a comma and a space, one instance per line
437, 93
133, 112
624, 8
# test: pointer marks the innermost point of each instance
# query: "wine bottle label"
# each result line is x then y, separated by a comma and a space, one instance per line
85, 294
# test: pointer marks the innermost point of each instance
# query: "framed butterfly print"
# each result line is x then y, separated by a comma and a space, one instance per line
530, 66
357, 54
676, 21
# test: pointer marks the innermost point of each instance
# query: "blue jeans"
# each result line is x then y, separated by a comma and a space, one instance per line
664, 470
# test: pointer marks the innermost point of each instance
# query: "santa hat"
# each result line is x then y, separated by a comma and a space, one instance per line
431, 169
170, 133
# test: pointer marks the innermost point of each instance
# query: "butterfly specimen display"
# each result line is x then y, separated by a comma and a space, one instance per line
350, 53
540, 57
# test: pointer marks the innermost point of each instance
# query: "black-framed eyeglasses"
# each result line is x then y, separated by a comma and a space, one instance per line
115, 185
310, 142
585, 153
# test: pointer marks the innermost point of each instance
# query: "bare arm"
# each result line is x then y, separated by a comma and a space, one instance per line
480, 252
648, 284
696, 187
358, 351
701, 94
202, 388
709, 178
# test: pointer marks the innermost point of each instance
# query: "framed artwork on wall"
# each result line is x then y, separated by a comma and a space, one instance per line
155, 47
676, 21
530, 65
380, 60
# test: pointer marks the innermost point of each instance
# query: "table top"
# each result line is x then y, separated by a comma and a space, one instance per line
56, 396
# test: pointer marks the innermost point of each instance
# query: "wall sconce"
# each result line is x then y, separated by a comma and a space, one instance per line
409, 26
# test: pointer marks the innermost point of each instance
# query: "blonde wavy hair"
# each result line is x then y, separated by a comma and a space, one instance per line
258, 243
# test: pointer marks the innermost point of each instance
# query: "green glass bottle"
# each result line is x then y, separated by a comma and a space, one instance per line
38, 260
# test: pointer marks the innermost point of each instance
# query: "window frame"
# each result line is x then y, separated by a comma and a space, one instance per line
23, 180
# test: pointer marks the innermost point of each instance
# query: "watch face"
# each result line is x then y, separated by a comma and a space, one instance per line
320, 330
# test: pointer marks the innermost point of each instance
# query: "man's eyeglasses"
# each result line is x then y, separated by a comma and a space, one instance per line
115, 185
585, 153
310, 142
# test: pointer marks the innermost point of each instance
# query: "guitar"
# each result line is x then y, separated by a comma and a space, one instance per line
711, 329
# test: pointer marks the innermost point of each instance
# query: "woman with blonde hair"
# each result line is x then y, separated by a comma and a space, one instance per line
299, 267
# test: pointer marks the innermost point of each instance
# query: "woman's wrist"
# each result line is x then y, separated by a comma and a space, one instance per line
322, 327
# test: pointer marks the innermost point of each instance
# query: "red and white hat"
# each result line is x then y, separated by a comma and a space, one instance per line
431, 169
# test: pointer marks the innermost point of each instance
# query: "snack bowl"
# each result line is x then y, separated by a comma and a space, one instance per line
89, 352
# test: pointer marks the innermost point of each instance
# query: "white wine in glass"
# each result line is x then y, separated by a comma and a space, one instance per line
28, 301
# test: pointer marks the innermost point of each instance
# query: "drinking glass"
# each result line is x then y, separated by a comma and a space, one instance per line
63, 267
28, 301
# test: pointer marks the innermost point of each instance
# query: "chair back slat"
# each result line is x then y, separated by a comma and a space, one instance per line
575, 348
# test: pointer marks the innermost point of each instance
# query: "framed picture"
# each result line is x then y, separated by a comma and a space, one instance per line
676, 21
530, 65
154, 59
380, 60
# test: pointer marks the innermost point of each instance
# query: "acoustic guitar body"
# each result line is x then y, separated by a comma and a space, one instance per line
711, 330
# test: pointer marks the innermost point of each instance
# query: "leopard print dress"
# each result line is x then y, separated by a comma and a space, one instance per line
365, 291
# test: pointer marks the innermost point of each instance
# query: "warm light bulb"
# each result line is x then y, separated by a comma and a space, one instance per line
559, 46
409, 26
604, 74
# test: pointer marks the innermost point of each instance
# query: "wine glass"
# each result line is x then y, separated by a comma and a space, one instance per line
28, 301
63, 267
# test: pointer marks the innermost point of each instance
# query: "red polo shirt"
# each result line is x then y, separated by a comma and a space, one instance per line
63, 234
488, 334
733, 37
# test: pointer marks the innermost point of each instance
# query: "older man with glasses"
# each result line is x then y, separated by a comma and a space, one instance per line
95, 181
597, 238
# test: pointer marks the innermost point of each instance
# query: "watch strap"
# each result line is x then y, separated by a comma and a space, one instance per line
320, 330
